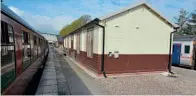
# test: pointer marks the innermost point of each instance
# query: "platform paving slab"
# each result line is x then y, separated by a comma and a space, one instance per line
52, 81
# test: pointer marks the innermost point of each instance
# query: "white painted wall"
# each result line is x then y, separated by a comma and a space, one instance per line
83, 41
100, 40
69, 37
64, 43
74, 42
151, 37
95, 40
81, 37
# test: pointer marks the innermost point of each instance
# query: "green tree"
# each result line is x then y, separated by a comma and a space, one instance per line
192, 23
75, 25
181, 21
193, 18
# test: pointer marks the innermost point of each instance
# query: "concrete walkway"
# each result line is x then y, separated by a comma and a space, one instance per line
48, 82
79, 82
61, 77
52, 81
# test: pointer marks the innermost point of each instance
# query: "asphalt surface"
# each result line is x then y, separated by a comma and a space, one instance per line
184, 72
80, 83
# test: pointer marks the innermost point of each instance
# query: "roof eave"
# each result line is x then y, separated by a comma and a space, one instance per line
94, 21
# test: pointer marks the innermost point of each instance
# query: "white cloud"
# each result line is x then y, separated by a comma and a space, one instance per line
43, 23
16, 10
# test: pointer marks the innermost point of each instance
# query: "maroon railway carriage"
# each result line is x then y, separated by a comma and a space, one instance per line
22, 51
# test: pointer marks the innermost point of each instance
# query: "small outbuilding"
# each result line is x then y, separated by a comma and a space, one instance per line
134, 39
184, 50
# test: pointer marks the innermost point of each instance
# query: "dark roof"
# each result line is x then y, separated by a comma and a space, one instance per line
184, 37
14, 16
96, 20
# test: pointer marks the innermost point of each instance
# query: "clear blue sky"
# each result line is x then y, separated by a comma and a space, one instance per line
51, 15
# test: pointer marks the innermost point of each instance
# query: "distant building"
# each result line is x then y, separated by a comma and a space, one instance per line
60, 42
52, 38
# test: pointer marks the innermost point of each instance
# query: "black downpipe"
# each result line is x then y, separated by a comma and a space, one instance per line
170, 46
103, 51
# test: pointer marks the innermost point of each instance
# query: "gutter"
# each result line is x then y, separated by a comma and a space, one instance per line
103, 51
170, 47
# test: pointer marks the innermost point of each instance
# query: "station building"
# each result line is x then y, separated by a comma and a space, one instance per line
134, 39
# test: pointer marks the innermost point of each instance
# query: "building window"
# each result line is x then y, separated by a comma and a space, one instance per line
187, 49
90, 42
78, 43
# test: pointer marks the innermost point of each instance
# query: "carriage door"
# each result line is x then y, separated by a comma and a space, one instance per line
8, 69
176, 54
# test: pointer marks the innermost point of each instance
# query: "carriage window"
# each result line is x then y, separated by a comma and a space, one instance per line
10, 34
34, 48
4, 35
25, 37
39, 46
35, 40
7, 45
187, 49
26, 49
7, 54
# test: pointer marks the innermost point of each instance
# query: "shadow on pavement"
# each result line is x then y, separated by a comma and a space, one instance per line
75, 84
183, 66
